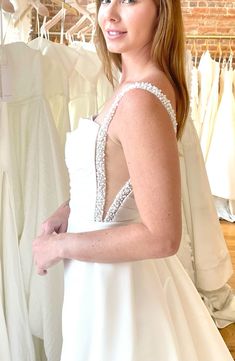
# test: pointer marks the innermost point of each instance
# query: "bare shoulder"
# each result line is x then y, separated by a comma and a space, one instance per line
160, 80
140, 106
140, 99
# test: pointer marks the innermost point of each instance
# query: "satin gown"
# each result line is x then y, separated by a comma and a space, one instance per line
131, 311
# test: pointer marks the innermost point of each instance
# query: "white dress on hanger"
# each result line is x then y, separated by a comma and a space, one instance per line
87, 86
33, 159
225, 207
221, 156
16, 338
194, 97
206, 250
13, 29
124, 311
104, 88
211, 111
56, 81
211, 260
232, 202
85, 94
205, 78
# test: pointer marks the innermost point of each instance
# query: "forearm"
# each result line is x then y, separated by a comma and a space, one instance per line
117, 244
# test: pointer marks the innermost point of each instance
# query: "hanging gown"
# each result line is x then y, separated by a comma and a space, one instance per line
131, 311
194, 99
13, 29
212, 268
221, 155
16, 338
104, 89
56, 79
232, 202
211, 110
87, 87
205, 78
203, 250
225, 207
82, 68
34, 185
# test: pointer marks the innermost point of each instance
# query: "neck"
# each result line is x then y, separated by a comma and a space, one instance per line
136, 65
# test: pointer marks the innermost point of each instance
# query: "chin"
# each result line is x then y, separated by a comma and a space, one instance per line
113, 50
117, 49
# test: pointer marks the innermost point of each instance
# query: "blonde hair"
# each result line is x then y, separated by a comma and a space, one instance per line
168, 52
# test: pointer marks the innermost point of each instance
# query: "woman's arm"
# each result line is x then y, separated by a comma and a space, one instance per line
150, 149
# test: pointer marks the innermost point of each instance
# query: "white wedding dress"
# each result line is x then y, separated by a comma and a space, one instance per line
33, 183
131, 311
221, 156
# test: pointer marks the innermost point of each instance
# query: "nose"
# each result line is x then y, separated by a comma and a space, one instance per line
111, 12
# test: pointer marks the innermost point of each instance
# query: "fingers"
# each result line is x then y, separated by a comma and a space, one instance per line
63, 227
41, 272
47, 228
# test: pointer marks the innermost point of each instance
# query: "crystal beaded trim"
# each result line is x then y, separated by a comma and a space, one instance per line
119, 199
100, 166
159, 94
100, 152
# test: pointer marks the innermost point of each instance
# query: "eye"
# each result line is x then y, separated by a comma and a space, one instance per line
128, 1
105, 2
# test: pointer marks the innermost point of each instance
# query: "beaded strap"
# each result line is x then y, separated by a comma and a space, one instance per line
100, 152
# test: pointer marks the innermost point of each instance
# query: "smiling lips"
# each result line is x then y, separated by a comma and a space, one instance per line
114, 34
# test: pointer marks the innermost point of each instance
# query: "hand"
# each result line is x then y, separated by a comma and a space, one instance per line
45, 252
58, 221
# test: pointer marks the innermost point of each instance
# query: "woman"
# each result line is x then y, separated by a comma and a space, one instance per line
126, 295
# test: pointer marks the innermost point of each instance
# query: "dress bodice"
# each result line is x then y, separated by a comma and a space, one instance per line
85, 157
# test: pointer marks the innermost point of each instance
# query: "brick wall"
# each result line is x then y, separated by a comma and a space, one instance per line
210, 17
200, 18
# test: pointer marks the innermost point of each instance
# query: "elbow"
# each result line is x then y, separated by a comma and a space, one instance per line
167, 245
171, 248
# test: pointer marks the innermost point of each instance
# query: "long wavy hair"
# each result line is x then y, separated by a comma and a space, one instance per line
168, 52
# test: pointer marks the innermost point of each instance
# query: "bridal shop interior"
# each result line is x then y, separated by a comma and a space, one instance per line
50, 77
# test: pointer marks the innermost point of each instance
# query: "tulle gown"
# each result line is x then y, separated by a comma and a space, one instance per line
131, 311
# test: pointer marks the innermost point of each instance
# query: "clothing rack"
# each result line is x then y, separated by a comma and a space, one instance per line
221, 37
76, 9
66, 6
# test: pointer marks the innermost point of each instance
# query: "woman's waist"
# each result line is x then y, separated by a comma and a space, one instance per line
80, 224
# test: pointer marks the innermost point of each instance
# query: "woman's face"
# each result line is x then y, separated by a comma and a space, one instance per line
127, 25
